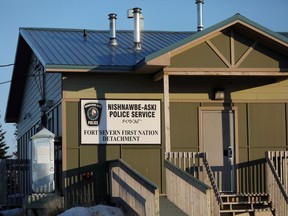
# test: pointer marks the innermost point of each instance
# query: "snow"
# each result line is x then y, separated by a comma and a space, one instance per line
12, 212
99, 210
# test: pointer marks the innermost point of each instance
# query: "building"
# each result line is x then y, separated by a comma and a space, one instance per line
137, 96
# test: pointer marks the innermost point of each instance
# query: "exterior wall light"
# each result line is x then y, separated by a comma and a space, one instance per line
219, 94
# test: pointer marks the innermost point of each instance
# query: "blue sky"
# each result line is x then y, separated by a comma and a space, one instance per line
169, 15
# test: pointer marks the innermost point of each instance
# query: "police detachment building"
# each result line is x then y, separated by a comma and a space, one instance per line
197, 118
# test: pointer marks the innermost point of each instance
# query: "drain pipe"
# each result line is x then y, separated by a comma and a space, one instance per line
200, 14
112, 18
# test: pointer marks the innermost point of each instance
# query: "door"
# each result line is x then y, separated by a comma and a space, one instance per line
218, 141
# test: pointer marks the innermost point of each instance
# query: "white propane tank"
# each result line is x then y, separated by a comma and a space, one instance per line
41, 155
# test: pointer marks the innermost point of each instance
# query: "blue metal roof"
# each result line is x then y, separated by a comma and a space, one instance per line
71, 49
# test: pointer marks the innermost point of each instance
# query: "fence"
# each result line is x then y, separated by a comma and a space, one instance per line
14, 181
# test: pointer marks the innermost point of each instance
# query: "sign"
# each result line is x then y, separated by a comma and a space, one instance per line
120, 122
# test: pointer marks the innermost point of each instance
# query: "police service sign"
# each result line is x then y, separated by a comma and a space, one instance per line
120, 122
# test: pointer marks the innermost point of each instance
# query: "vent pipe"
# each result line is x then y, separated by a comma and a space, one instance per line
112, 18
137, 35
200, 14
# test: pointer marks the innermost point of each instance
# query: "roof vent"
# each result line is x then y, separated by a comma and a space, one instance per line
112, 18
137, 30
85, 33
200, 14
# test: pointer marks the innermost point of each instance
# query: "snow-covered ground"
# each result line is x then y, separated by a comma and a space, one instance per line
99, 210
12, 212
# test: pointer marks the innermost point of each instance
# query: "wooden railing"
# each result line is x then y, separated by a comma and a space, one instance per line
197, 168
189, 162
131, 189
251, 177
279, 159
86, 185
14, 181
277, 172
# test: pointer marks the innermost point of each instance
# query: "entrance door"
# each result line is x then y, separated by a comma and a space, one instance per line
218, 141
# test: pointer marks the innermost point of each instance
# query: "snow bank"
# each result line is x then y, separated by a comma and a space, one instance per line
99, 210
12, 212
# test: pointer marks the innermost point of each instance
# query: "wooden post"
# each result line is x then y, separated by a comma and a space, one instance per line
166, 112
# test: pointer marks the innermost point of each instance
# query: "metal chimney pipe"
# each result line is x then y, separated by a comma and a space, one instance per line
137, 36
112, 18
200, 14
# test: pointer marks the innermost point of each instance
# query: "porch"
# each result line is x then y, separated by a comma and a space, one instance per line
261, 186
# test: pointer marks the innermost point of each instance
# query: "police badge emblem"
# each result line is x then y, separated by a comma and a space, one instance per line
93, 113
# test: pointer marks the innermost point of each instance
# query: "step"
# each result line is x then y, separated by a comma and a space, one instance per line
247, 213
244, 197
238, 204
247, 204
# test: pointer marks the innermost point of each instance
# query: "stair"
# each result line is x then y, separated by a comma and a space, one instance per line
246, 205
212, 182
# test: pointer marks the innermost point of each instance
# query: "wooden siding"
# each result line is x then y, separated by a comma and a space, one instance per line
32, 94
237, 89
261, 126
242, 44
267, 128
145, 159
123, 86
30, 125
223, 44
230, 49
191, 58
184, 126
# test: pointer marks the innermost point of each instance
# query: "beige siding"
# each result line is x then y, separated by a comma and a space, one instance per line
111, 86
242, 124
197, 57
184, 126
278, 90
146, 160
72, 125
264, 57
242, 44
222, 43
267, 128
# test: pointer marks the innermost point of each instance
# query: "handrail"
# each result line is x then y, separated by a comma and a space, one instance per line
275, 188
212, 181
130, 188
183, 189
195, 168
279, 159
278, 180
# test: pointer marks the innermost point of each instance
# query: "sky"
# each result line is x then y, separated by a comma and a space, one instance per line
170, 15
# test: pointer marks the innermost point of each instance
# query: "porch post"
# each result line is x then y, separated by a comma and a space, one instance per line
166, 112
